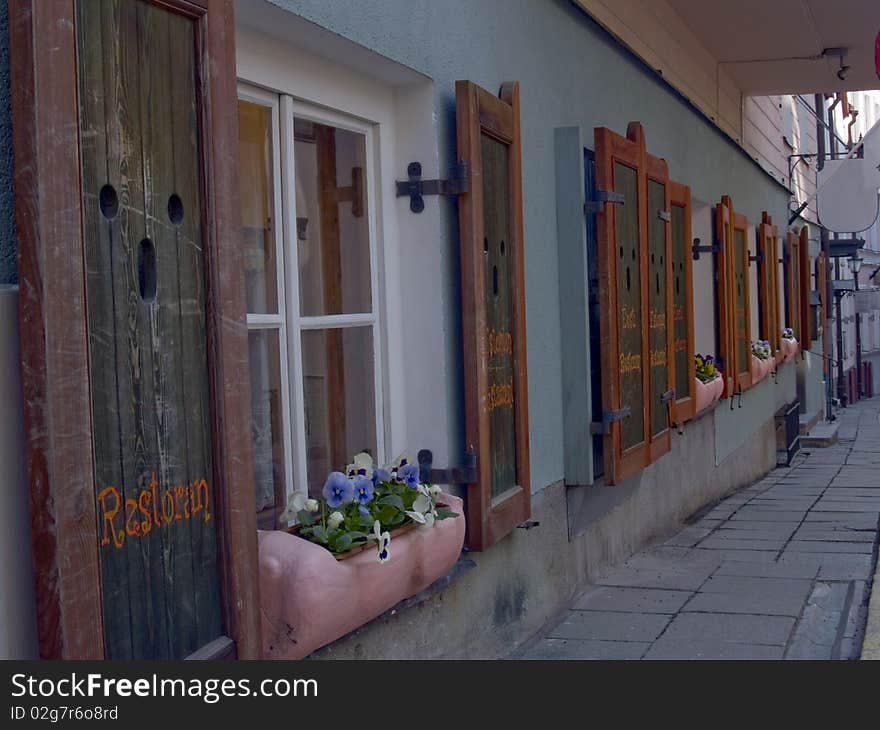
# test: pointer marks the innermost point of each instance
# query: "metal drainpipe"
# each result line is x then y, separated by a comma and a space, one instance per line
819, 101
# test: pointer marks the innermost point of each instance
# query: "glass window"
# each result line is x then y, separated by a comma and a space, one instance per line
309, 287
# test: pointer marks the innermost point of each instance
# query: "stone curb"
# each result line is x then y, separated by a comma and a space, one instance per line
871, 642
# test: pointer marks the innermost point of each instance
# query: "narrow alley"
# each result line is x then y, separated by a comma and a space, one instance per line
781, 569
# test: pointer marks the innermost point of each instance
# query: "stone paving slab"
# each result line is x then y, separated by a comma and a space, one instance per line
805, 569
610, 626
670, 578
764, 604
585, 649
836, 535
816, 546
666, 648
742, 584
743, 629
647, 600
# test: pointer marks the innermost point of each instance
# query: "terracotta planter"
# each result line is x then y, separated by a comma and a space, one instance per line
789, 349
761, 368
309, 598
709, 393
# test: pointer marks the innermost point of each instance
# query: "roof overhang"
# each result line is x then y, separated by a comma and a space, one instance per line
776, 47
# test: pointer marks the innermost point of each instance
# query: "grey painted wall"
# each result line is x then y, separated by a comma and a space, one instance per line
571, 74
7, 209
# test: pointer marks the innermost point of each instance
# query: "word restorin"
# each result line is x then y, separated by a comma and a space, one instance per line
500, 394
121, 518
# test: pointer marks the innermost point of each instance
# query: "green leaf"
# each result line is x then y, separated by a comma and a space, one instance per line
444, 513
319, 533
394, 500
340, 543
386, 513
305, 518
397, 520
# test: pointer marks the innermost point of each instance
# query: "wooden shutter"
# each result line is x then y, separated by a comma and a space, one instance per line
793, 285
725, 299
768, 283
623, 300
742, 320
139, 446
684, 367
822, 283
493, 311
805, 286
660, 310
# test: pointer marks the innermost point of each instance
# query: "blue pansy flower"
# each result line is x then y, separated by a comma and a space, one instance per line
409, 475
381, 475
363, 510
363, 489
338, 489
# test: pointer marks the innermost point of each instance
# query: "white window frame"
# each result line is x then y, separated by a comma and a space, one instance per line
290, 322
278, 321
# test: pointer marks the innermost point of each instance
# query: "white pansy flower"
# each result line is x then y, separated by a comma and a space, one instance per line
335, 520
434, 490
383, 541
422, 504
416, 516
296, 502
311, 505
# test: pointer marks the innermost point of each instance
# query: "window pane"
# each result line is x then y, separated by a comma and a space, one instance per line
257, 214
332, 235
266, 425
338, 383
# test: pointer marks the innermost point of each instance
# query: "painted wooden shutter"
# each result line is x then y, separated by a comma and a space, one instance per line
684, 367
725, 299
793, 285
805, 286
148, 549
493, 311
742, 320
660, 310
822, 283
768, 287
623, 278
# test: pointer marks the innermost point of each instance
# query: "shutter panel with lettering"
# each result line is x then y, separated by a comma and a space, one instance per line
822, 283
659, 286
725, 299
793, 285
139, 454
768, 288
623, 275
684, 367
806, 286
493, 311
742, 322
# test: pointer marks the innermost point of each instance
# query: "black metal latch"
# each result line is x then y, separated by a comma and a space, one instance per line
602, 197
609, 417
667, 396
465, 474
697, 249
416, 188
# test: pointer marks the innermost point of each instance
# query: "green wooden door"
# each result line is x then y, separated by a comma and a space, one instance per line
142, 235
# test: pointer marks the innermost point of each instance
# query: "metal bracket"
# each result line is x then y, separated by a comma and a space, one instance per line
609, 417
416, 188
664, 215
757, 257
602, 197
667, 396
697, 249
465, 474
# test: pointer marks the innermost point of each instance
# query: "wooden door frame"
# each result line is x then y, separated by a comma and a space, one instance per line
54, 339
744, 374
489, 519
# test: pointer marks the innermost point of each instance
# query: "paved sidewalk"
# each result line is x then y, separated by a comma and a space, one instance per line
781, 569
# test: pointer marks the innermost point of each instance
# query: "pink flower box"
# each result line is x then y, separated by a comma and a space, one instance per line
309, 598
789, 349
709, 393
761, 368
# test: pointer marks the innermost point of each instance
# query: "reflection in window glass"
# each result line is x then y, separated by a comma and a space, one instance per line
332, 240
339, 390
266, 425
255, 168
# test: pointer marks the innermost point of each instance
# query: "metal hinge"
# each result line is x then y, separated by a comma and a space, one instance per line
667, 396
609, 417
697, 249
602, 197
416, 188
